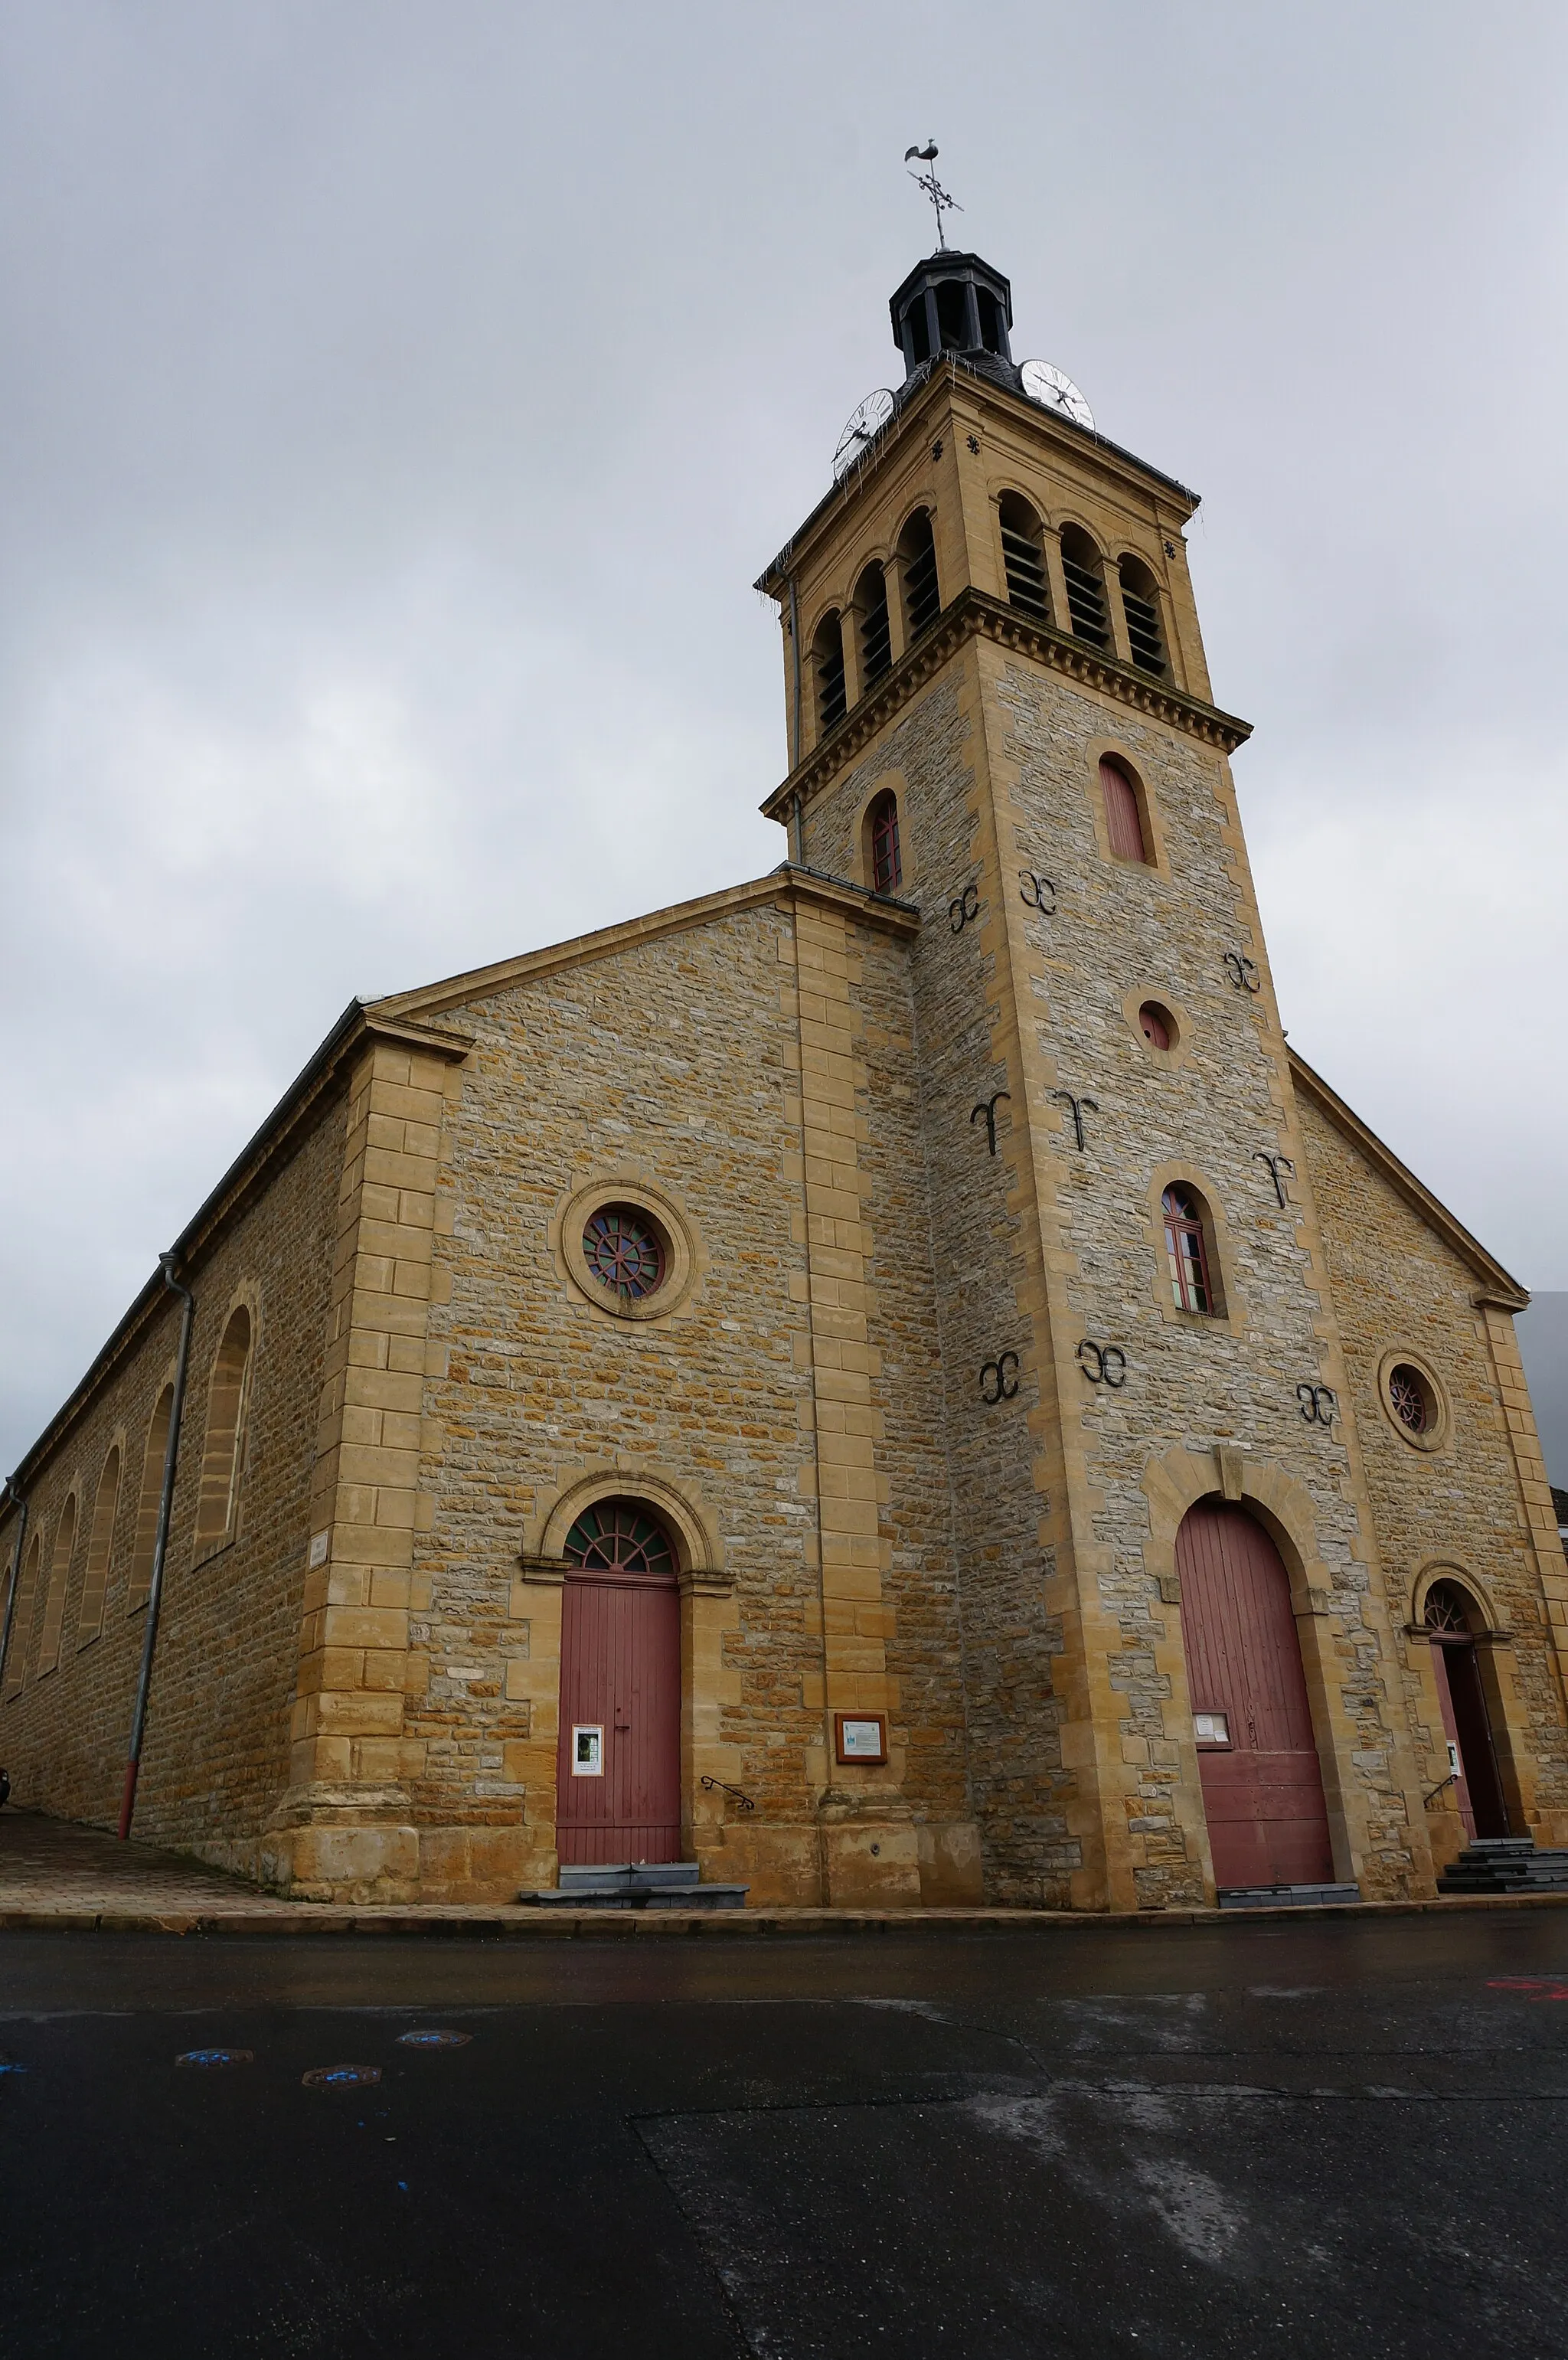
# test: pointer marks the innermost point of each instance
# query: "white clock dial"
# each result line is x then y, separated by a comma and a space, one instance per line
862, 430
1054, 390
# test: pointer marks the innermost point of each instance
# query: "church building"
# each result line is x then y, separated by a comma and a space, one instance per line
892, 1382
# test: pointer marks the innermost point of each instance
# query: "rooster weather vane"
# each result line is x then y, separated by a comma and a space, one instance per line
927, 180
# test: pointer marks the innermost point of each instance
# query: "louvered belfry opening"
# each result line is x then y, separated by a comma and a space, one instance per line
1023, 555
1140, 605
875, 628
922, 597
1085, 591
827, 658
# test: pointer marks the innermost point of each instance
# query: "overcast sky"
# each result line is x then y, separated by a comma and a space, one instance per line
399, 401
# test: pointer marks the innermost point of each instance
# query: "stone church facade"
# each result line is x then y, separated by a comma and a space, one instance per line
892, 1382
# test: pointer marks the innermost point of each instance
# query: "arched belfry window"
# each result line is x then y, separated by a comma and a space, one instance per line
884, 861
223, 1458
917, 560
827, 662
1140, 603
1085, 587
1187, 1250
1124, 819
876, 628
1023, 556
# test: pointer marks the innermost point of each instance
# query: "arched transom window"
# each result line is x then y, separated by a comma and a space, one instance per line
1187, 1250
619, 1537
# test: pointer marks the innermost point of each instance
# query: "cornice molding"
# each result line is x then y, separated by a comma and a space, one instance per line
1499, 1290
296, 1112
974, 615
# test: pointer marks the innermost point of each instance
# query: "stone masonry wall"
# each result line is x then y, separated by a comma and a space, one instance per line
215, 1753
673, 1061
1020, 1785
1399, 1286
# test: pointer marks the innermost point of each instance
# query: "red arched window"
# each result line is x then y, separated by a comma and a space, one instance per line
882, 829
1187, 1250
1124, 821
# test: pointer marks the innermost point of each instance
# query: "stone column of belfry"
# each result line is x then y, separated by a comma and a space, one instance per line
345, 1828
861, 1807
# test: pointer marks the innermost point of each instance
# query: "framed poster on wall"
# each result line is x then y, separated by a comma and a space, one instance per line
861, 1736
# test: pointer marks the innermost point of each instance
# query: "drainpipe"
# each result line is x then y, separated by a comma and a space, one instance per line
11, 1492
795, 671
160, 1540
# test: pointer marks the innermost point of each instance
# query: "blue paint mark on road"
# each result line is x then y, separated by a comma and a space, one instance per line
340, 2077
434, 2039
216, 2057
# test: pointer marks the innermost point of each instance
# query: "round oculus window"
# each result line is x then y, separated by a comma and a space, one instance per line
625, 1250
1157, 1024
1411, 1399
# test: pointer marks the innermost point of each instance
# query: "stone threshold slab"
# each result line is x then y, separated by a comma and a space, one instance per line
478, 1921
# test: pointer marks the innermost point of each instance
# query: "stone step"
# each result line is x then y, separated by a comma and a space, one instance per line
666, 1895
627, 1875
1285, 1897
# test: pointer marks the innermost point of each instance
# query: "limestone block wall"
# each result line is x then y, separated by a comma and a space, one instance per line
215, 1754
987, 1263
674, 1064
1399, 1287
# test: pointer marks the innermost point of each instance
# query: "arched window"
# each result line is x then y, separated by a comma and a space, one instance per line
916, 562
876, 629
140, 1583
22, 1620
1023, 555
827, 662
1187, 1250
60, 1575
90, 1620
1124, 820
1140, 603
619, 1537
1085, 589
225, 1456
883, 863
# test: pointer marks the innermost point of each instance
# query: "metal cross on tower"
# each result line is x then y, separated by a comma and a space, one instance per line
927, 180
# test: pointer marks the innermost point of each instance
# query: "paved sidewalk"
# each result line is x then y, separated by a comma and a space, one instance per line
57, 1875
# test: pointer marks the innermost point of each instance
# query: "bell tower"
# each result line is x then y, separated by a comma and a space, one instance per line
999, 712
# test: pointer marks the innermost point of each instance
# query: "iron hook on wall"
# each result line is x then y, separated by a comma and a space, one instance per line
998, 1379
1277, 1163
987, 1107
1077, 1106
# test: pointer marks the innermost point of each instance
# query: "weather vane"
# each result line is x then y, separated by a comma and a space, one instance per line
927, 180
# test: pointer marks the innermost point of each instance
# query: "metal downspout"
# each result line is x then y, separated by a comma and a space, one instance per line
160, 1541
11, 1492
795, 664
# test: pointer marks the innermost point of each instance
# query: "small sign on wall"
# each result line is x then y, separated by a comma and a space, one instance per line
587, 1749
861, 1736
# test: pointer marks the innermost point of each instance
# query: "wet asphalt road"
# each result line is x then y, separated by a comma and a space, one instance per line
1339, 2139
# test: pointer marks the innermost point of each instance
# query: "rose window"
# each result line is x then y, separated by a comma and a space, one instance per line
1409, 1399
624, 1251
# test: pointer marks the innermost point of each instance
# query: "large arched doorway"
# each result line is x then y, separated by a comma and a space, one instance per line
1450, 1620
1263, 1795
618, 1763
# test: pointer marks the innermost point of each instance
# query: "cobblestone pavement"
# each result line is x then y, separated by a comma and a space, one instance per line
54, 1864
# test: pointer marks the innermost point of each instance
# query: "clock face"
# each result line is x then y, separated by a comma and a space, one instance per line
862, 430
1054, 390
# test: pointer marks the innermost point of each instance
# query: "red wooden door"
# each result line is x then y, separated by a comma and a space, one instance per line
1263, 1792
1469, 1730
618, 1799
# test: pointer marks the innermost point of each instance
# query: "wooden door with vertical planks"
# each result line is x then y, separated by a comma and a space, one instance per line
619, 1799
1263, 1795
